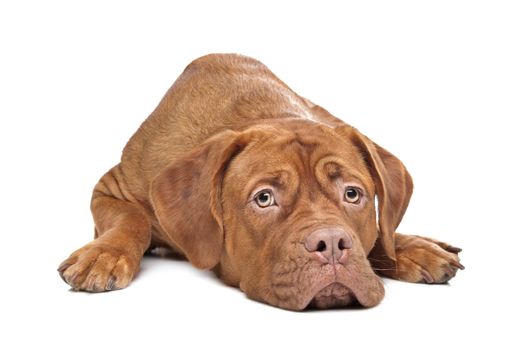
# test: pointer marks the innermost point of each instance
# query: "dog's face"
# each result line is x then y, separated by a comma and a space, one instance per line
289, 216
299, 221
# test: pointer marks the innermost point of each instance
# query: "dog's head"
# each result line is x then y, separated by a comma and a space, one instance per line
286, 212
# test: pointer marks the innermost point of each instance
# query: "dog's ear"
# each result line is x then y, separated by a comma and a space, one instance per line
392, 182
186, 197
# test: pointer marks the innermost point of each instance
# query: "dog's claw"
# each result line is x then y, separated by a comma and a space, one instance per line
63, 267
111, 283
71, 278
454, 250
457, 264
426, 276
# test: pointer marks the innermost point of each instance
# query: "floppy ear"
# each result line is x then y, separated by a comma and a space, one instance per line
186, 198
393, 186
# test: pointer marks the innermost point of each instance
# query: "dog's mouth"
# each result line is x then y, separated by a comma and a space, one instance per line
334, 295
322, 286
342, 287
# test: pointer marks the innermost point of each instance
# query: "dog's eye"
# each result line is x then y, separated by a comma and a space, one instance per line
352, 195
264, 198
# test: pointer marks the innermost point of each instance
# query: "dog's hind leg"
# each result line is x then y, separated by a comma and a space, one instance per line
122, 235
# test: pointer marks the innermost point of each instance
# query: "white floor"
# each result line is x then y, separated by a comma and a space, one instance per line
171, 304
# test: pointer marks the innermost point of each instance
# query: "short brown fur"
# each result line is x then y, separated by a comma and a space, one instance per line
188, 180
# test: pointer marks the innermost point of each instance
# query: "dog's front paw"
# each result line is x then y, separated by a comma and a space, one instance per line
425, 260
98, 268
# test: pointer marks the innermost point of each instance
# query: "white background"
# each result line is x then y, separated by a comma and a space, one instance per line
439, 84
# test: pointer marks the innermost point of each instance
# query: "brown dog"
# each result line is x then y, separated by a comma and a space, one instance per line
241, 175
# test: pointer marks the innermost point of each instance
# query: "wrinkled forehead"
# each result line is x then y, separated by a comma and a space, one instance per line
287, 155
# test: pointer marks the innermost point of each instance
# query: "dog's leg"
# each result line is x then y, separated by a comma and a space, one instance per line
418, 259
122, 235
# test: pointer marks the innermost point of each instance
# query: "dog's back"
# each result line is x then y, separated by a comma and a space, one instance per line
214, 93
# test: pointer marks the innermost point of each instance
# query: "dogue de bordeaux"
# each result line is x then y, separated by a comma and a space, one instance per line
237, 173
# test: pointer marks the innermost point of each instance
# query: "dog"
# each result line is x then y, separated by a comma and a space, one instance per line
238, 174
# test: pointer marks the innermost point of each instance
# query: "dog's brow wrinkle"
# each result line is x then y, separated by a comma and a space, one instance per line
277, 182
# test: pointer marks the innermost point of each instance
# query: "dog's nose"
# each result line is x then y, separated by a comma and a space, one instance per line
331, 243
